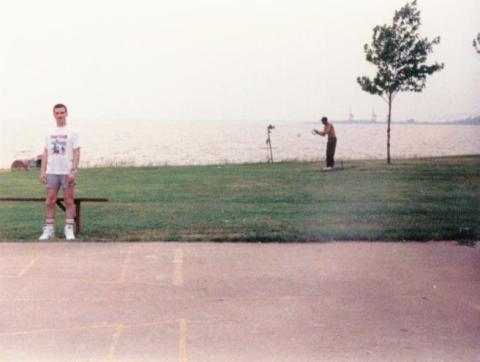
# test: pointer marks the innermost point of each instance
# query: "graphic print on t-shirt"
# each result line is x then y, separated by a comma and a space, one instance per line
58, 144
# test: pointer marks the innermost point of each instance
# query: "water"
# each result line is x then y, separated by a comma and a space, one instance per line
192, 143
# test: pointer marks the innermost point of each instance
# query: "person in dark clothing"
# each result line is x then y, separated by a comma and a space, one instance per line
329, 131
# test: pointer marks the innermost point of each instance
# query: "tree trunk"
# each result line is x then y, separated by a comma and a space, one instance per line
388, 127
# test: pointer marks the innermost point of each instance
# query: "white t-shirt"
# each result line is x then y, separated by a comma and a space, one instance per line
60, 143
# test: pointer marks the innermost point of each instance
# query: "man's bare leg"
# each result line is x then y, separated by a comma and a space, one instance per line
68, 196
50, 206
50, 201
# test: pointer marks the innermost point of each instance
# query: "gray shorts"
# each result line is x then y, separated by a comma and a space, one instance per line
57, 181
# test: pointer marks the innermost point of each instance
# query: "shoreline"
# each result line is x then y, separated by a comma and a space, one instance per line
125, 165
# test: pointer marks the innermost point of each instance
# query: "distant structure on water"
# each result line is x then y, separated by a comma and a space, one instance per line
350, 115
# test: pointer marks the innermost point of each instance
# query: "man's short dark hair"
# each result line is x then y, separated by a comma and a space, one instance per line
324, 120
60, 105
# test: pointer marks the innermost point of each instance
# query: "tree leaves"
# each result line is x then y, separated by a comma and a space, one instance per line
399, 53
476, 43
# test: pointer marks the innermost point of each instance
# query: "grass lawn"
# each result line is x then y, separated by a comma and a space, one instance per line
420, 199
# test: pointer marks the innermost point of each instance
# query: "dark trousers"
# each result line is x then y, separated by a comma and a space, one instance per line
331, 145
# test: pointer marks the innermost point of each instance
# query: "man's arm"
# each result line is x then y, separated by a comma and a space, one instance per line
320, 133
43, 168
76, 161
326, 130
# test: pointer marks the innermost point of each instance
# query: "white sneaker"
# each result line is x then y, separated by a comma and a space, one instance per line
48, 232
69, 235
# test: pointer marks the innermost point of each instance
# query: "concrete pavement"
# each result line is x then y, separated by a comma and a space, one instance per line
339, 301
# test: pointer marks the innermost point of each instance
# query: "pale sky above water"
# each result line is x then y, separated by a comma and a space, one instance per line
222, 60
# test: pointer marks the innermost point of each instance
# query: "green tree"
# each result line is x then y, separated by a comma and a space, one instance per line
400, 54
476, 43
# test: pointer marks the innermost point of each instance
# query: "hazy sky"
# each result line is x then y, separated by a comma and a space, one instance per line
222, 59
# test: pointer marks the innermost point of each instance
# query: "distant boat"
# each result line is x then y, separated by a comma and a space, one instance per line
374, 116
350, 115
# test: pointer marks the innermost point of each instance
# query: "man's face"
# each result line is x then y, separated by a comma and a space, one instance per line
60, 115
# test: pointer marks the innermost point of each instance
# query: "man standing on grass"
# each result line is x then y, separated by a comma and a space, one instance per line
59, 167
329, 131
